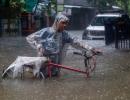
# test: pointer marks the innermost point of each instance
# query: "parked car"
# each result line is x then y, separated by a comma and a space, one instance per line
96, 29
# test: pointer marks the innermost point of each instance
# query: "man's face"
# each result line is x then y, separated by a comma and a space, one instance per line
62, 25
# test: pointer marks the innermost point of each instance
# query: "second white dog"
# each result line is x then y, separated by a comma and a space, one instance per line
23, 62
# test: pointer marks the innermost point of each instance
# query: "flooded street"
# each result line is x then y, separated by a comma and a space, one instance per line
110, 81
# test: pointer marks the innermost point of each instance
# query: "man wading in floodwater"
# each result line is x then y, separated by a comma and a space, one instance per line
50, 42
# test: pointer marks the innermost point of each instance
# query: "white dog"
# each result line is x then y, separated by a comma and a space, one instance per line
22, 62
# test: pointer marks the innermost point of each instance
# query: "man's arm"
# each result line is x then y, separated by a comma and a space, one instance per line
75, 42
81, 46
33, 39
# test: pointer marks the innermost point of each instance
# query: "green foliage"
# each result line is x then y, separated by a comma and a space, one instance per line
104, 4
52, 5
124, 4
17, 4
12, 8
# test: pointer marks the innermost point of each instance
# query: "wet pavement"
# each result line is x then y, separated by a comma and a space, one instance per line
110, 81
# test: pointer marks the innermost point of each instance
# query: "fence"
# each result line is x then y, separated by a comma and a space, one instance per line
118, 31
27, 24
9, 27
122, 36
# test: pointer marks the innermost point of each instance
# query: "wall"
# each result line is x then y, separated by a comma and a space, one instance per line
80, 18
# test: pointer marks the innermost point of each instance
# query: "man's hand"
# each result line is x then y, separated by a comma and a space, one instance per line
40, 50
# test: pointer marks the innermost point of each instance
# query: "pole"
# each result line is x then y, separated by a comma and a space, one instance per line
36, 6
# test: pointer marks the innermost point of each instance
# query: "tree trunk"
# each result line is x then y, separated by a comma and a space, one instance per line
126, 5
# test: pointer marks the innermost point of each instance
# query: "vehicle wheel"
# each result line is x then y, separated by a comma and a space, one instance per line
90, 65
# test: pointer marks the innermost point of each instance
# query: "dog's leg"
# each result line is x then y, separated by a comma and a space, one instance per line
22, 73
18, 69
36, 69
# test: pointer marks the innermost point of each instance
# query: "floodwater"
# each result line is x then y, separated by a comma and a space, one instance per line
110, 81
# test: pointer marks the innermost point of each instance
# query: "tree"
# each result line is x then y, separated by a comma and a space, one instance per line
124, 4
105, 4
17, 4
11, 10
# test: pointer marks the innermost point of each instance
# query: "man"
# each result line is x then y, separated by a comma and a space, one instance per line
50, 41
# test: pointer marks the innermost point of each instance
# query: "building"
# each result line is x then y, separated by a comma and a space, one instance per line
80, 13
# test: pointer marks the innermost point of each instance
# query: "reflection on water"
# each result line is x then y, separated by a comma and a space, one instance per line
109, 82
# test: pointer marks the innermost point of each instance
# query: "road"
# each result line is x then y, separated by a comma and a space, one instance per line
109, 82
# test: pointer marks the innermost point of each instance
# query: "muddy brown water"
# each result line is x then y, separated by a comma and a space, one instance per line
110, 81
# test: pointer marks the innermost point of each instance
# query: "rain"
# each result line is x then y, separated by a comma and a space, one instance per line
110, 80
